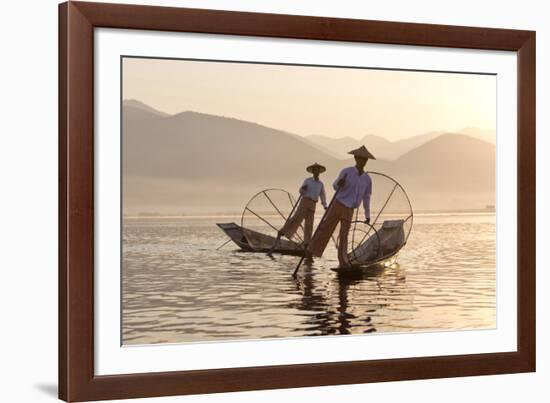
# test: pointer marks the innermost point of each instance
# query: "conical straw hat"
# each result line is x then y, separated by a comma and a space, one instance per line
316, 165
362, 152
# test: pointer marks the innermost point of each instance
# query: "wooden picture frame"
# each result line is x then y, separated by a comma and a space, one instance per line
77, 381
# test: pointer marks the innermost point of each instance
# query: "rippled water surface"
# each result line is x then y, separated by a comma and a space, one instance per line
178, 288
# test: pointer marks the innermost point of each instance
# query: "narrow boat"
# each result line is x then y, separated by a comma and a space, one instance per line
235, 233
253, 241
378, 251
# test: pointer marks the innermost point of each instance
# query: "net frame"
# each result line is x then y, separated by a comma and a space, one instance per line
298, 237
372, 224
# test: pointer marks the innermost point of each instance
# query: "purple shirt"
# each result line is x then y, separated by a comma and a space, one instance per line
314, 189
356, 189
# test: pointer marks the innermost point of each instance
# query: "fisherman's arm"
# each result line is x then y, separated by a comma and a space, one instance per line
366, 200
303, 189
340, 180
323, 196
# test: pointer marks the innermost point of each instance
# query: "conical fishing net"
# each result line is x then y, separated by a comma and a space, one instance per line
390, 226
264, 216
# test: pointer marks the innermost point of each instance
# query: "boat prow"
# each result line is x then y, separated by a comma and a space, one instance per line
235, 232
253, 241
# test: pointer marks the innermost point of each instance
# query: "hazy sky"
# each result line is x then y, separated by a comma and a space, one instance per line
334, 102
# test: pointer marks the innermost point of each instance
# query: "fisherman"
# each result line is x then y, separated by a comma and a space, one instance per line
352, 186
310, 192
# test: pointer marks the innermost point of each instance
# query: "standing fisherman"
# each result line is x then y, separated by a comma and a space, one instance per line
353, 186
311, 191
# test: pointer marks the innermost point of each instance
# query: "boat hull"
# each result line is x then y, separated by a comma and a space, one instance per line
253, 241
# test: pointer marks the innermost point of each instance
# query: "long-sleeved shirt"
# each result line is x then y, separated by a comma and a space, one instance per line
357, 188
314, 189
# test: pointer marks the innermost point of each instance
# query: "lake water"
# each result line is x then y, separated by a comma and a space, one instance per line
178, 288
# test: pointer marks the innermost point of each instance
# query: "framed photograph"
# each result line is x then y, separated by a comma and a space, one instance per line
257, 201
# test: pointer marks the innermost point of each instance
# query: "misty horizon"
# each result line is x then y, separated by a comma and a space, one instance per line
201, 164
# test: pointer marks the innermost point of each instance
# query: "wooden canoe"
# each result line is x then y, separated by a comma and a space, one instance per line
253, 241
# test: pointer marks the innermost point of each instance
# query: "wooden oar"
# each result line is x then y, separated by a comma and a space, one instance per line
293, 208
318, 226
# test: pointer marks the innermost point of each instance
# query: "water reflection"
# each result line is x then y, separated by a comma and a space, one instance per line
337, 313
178, 288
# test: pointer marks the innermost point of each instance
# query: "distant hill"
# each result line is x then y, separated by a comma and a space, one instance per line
134, 103
389, 150
198, 163
451, 169
336, 147
385, 149
487, 135
392, 150
210, 162
203, 147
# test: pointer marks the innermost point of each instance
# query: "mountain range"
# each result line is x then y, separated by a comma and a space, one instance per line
193, 163
386, 149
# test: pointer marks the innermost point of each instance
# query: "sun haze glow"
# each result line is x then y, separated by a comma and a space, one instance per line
333, 102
